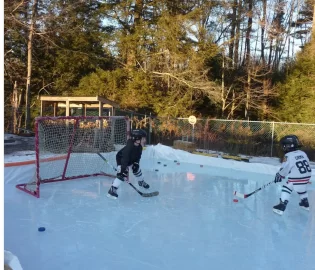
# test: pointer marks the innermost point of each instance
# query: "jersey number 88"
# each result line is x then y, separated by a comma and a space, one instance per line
303, 166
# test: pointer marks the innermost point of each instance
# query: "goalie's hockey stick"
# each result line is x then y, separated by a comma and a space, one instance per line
244, 196
143, 194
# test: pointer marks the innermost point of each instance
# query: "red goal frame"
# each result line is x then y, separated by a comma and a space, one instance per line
38, 160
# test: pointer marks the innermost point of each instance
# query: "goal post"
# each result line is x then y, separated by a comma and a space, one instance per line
67, 148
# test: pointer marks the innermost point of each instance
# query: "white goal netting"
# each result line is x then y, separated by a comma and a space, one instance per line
67, 148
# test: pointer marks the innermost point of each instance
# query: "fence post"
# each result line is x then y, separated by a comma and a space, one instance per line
150, 128
192, 120
272, 136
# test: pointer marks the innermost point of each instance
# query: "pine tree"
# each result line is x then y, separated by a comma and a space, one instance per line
297, 93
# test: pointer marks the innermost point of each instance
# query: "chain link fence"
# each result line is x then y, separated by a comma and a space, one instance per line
138, 120
233, 137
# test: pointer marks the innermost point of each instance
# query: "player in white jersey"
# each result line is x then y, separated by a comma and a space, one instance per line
296, 167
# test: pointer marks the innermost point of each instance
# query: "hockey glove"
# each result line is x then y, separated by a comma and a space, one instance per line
123, 174
135, 167
278, 178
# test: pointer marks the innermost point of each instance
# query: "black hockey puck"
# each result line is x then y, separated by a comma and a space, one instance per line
165, 165
41, 229
156, 170
159, 162
175, 160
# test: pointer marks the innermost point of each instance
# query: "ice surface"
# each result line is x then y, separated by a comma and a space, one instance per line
192, 224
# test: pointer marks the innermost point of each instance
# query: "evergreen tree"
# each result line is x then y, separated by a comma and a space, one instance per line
297, 93
75, 41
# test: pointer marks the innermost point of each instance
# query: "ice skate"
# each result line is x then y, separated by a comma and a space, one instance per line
279, 208
304, 204
143, 184
112, 193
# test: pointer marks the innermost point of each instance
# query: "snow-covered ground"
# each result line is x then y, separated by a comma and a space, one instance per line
193, 223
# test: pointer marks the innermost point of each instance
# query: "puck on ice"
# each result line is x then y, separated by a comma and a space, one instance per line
41, 229
235, 200
159, 162
201, 166
175, 160
165, 165
178, 163
156, 170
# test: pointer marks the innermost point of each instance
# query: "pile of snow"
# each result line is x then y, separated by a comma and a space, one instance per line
160, 151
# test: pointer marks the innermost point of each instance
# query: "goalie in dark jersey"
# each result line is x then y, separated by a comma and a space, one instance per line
129, 157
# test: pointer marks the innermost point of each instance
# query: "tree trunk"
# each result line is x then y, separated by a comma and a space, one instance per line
263, 27
222, 85
233, 105
247, 89
14, 103
248, 56
29, 66
266, 87
232, 32
132, 50
237, 35
248, 32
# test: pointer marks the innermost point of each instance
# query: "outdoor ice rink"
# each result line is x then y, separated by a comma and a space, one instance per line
192, 224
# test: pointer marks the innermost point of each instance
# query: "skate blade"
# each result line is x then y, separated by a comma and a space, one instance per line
279, 212
305, 208
111, 197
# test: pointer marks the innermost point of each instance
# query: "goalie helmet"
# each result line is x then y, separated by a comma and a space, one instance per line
138, 134
290, 143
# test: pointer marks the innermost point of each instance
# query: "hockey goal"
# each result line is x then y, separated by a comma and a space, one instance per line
67, 148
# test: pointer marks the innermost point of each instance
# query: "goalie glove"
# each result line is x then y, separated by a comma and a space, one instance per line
278, 178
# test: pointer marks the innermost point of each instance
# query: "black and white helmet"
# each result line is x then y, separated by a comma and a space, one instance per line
138, 134
290, 143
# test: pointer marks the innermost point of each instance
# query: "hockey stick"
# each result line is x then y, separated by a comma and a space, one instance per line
151, 194
244, 196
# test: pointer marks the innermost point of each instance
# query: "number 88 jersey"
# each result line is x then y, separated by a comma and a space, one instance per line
296, 166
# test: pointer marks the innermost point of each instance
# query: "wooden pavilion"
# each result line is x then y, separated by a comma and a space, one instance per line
74, 106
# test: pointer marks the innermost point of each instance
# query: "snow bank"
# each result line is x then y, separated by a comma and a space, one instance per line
11, 260
160, 151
